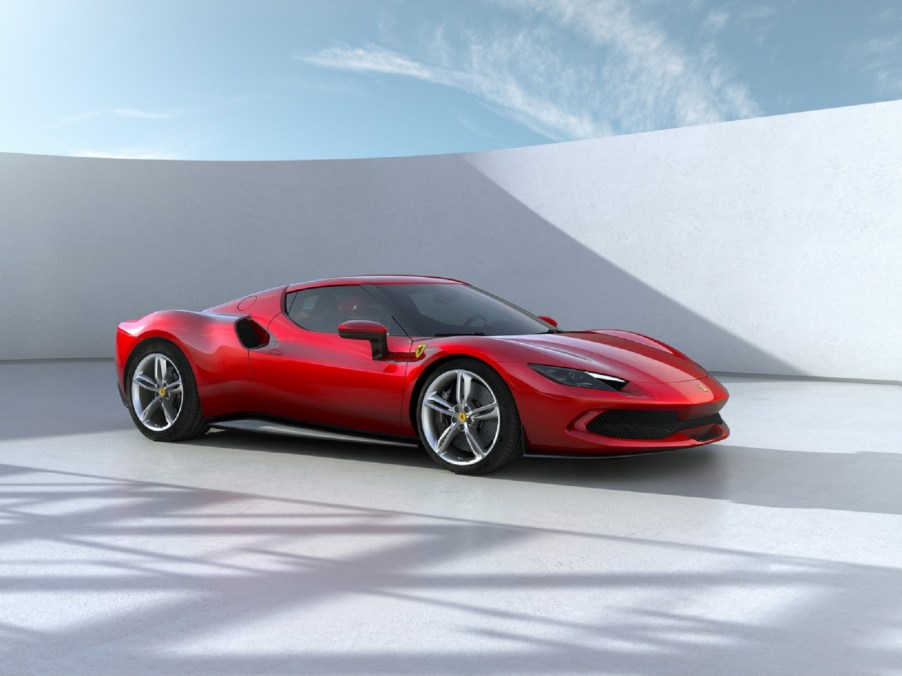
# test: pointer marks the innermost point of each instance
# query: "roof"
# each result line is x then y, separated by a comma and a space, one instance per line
374, 279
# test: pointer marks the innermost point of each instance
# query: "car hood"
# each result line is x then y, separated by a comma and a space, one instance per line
610, 355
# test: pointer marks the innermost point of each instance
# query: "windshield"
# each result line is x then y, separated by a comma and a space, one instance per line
456, 309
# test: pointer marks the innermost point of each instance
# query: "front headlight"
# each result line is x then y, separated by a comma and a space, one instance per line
578, 378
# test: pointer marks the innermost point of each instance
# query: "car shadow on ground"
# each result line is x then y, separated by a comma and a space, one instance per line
860, 481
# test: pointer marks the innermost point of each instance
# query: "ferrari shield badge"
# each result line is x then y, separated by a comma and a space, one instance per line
421, 348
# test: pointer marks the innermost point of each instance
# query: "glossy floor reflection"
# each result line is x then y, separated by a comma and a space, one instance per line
779, 551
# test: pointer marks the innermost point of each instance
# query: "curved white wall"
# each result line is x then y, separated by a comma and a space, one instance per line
765, 246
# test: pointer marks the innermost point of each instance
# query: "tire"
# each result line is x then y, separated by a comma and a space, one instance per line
161, 393
467, 418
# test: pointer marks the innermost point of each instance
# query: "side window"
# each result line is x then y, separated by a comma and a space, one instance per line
322, 309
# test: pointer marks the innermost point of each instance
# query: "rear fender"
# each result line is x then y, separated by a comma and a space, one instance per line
211, 344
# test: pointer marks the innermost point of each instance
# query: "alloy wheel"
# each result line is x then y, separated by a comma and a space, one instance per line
460, 417
157, 392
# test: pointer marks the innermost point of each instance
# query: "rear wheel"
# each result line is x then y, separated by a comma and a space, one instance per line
162, 394
468, 419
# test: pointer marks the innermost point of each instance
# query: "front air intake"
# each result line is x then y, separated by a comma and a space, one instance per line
645, 425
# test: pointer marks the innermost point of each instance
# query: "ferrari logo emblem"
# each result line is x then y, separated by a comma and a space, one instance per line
462, 417
420, 350
703, 388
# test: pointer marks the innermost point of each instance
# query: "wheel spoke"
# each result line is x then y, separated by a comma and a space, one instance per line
174, 388
161, 366
168, 411
445, 439
464, 384
475, 446
436, 403
151, 407
486, 412
145, 382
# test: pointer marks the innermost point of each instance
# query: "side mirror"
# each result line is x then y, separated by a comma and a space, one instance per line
361, 329
548, 320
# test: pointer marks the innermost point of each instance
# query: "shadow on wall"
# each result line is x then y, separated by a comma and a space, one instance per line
585, 291
124, 238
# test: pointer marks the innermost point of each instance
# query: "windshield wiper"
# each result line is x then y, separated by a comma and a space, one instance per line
459, 333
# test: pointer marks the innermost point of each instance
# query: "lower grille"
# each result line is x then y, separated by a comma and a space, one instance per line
653, 425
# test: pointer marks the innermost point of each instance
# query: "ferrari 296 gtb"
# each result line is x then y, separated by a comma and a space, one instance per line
477, 380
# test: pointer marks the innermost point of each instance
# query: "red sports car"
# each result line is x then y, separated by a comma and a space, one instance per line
477, 379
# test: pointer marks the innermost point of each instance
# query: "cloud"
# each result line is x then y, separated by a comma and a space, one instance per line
758, 12
149, 115
716, 20
170, 114
571, 69
370, 59
129, 154
501, 89
133, 113
879, 57
471, 126
884, 66
652, 76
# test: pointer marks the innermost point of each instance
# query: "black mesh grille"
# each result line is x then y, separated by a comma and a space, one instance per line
632, 424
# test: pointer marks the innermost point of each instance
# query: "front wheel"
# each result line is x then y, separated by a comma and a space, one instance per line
468, 419
162, 394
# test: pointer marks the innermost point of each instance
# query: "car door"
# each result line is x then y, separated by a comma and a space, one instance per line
309, 373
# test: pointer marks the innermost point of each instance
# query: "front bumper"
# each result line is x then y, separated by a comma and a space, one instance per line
561, 419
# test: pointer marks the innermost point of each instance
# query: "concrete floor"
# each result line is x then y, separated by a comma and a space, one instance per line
776, 552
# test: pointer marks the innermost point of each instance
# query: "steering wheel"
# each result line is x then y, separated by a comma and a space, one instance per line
474, 319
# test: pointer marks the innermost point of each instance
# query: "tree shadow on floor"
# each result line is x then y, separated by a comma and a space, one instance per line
147, 577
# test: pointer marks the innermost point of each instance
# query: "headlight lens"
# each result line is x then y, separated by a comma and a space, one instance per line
578, 378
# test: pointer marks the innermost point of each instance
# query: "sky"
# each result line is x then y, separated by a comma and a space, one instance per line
325, 79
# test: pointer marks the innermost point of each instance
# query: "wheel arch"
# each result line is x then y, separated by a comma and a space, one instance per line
512, 442
152, 338
186, 422
433, 366
144, 340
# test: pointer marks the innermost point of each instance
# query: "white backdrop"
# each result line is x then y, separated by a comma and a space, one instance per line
762, 246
